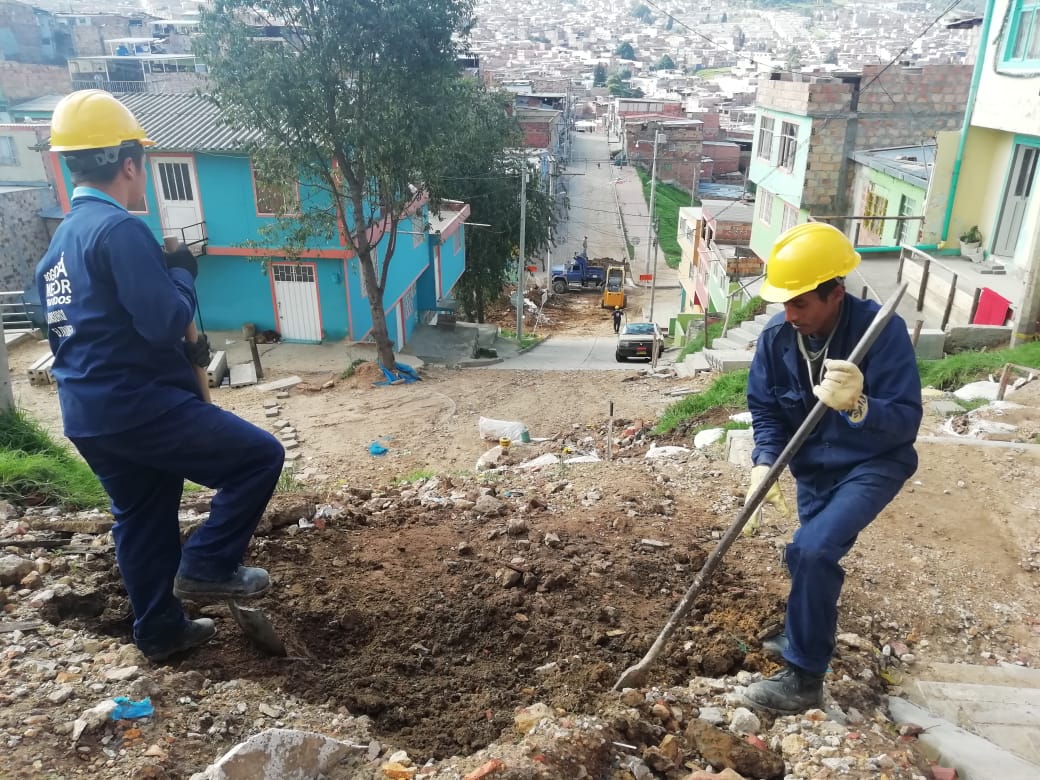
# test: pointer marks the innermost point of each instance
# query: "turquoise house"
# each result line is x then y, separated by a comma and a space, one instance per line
204, 188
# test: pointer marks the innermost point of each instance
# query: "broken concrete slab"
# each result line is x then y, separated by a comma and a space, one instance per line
972, 756
943, 407
974, 337
739, 444
1000, 703
279, 384
243, 374
280, 754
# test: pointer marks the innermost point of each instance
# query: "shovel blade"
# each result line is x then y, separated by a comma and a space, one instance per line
257, 627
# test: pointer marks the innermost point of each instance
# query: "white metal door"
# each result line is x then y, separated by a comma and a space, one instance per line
177, 191
1016, 199
296, 298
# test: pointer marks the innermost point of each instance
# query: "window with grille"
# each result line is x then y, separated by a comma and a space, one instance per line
788, 145
291, 272
907, 229
765, 138
765, 206
175, 179
8, 150
876, 206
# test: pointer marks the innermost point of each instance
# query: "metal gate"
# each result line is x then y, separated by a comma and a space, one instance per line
296, 301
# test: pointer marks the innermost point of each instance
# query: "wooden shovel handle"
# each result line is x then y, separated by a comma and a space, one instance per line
191, 335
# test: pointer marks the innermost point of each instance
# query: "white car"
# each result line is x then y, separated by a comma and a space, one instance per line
639, 340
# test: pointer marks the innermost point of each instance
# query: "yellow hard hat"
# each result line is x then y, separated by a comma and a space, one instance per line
805, 257
93, 119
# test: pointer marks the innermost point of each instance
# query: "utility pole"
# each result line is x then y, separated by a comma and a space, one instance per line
653, 193
521, 260
653, 281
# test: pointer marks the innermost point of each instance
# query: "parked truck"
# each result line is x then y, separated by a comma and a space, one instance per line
578, 271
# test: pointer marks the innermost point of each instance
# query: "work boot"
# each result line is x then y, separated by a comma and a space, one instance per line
247, 582
193, 633
775, 646
788, 692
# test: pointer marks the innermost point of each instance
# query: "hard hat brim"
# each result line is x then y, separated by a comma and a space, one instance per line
86, 147
773, 294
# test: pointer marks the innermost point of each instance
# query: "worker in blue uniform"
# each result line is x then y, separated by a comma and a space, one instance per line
854, 462
117, 310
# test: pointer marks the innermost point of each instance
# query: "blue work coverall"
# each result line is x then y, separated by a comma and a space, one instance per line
845, 474
130, 403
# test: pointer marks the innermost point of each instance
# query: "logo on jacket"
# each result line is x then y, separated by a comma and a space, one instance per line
58, 293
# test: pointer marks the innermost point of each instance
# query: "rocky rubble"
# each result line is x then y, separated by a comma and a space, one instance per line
63, 656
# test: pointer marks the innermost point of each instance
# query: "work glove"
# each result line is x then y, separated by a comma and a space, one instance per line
842, 385
197, 352
182, 258
773, 496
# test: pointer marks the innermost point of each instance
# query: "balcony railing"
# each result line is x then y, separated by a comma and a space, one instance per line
165, 86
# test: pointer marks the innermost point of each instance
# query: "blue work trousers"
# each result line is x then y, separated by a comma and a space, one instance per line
833, 509
143, 471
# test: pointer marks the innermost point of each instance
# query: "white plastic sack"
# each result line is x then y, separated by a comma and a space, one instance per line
583, 459
496, 429
548, 459
741, 417
708, 437
984, 390
666, 452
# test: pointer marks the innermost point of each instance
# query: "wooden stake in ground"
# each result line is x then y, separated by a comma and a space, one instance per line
610, 432
635, 676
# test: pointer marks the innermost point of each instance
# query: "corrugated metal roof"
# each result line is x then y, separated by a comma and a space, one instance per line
44, 103
186, 123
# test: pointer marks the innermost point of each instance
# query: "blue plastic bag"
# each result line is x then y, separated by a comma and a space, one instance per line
128, 710
375, 448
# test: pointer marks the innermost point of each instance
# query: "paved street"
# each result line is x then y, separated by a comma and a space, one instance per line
572, 353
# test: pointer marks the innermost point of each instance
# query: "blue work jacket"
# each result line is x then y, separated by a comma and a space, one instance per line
780, 397
116, 319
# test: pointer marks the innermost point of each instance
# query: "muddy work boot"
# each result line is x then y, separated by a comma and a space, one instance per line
248, 582
788, 692
774, 646
193, 633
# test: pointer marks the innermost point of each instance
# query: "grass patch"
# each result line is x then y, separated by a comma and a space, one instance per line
729, 391
964, 367
287, 482
743, 313
348, 372
707, 73
35, 469
528, 340
415, 476
669, 200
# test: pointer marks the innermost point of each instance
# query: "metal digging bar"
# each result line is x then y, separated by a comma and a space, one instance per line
635, 676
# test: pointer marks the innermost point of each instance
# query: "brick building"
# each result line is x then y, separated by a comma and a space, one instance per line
809, 126
679, 151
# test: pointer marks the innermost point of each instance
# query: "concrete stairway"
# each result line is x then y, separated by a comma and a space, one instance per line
736, 350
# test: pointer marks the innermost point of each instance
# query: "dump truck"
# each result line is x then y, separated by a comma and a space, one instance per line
578, 271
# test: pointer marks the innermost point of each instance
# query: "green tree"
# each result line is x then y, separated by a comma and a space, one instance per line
793, 58
625, 51
831, 58
599, 75
643, 13
724, 18
353, 103
669, 24
480, 172
666, 63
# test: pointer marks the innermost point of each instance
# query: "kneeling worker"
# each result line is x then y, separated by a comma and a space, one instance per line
118, 308
856, 460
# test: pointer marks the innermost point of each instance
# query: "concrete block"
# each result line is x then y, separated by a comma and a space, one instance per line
270, 412
739, 444
930, 343
278, 384
962, 338
243, 374
217, 369
943, 407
